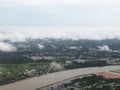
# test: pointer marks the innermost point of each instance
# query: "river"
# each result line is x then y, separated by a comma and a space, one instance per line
44, 80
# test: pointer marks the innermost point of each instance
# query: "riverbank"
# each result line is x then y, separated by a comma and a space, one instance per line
38, 82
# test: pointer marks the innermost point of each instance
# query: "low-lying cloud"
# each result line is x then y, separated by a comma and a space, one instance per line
56, 66
40, 46
5, 47
19, 34
104, 48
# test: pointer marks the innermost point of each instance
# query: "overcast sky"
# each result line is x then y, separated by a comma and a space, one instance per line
75, 19
83, 13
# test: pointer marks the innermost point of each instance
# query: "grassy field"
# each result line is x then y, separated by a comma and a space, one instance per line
13, 72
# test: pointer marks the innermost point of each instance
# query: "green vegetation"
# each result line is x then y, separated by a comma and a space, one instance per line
95, 83
13, 58
90, 63
14, 72
20, 64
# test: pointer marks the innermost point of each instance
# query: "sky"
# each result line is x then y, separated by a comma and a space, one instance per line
21, 20
82, 13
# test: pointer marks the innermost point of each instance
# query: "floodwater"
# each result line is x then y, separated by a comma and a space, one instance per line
38, 82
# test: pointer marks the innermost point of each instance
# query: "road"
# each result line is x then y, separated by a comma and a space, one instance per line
41, 81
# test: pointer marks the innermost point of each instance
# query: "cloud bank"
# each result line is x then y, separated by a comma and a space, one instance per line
19, 34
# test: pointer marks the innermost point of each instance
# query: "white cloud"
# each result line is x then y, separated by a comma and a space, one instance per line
104, 48
56, 2
5, 47
40, 46
73, 47
21, 34
56, 66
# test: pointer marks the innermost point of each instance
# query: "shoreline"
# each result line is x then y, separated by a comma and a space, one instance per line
47, 79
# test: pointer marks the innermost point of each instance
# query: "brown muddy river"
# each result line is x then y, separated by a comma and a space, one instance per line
38, 82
